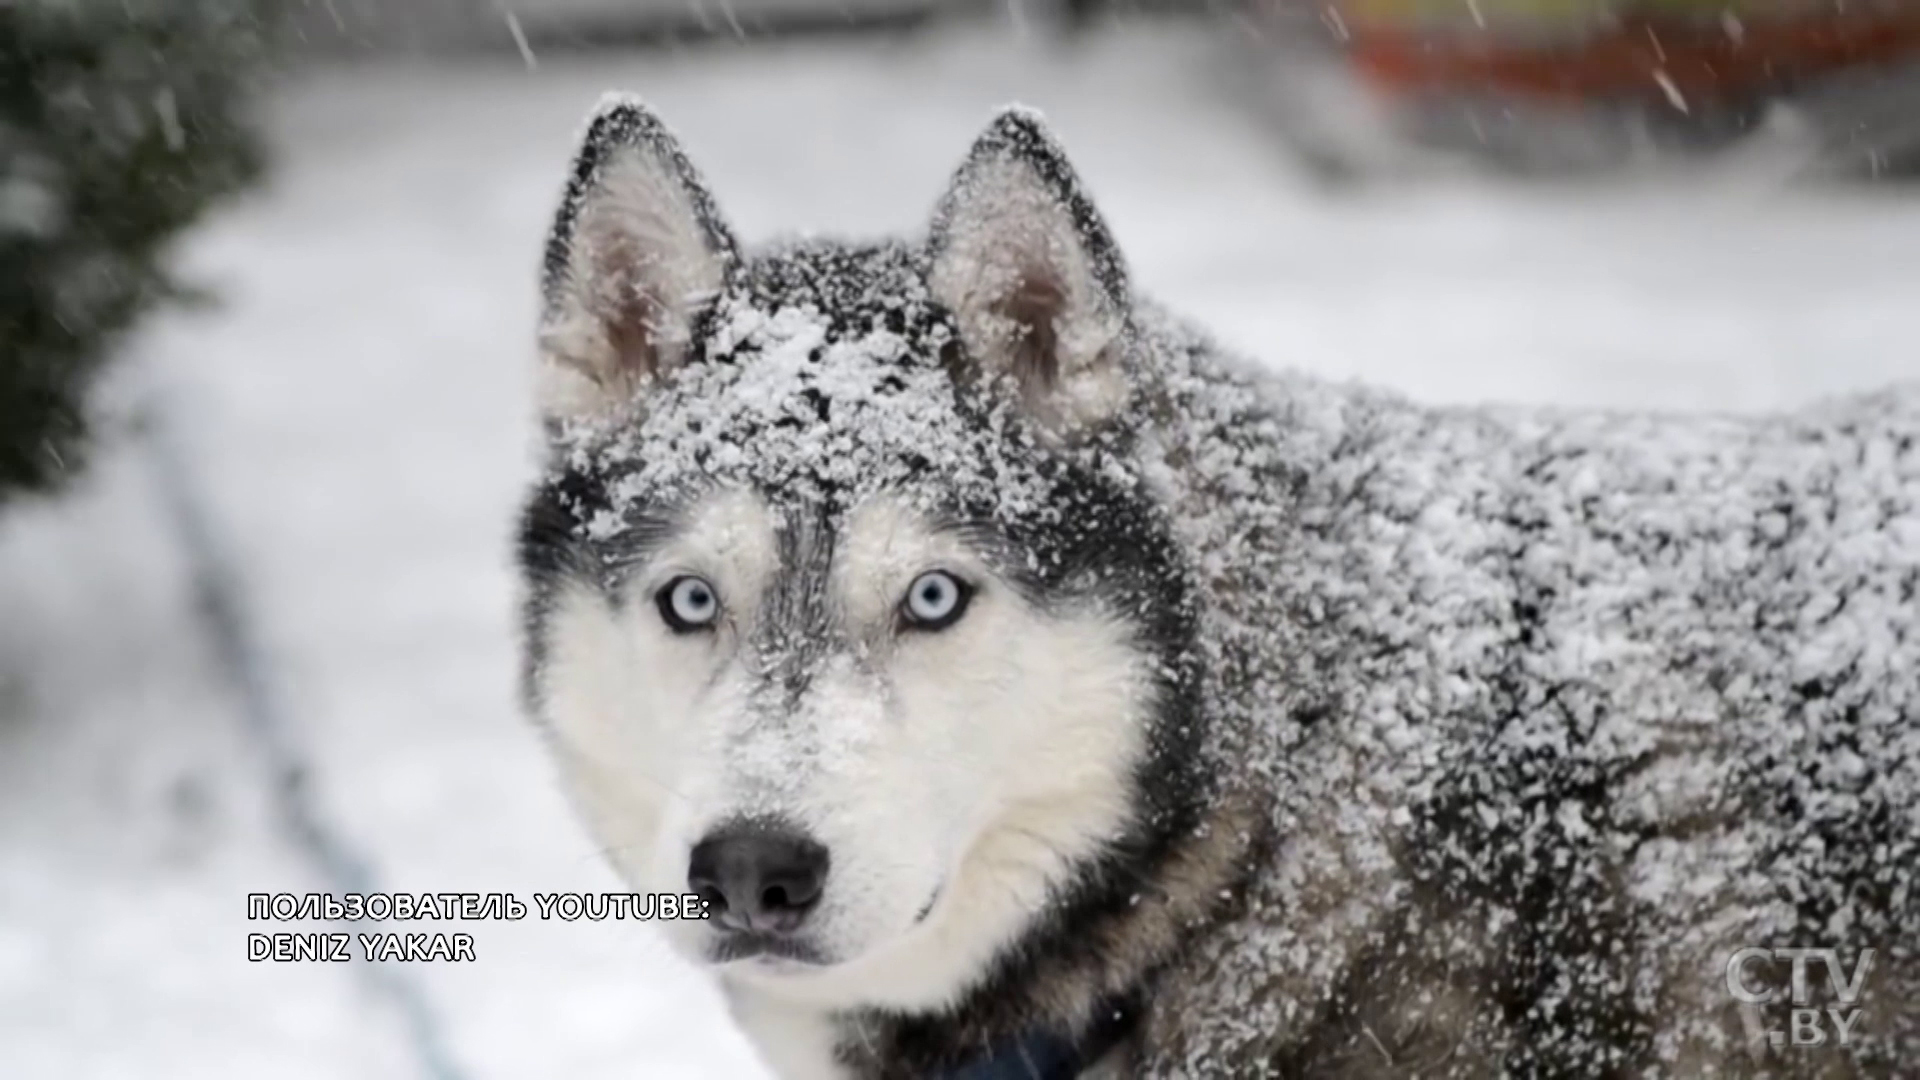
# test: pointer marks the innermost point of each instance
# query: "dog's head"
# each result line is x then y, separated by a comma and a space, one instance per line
850, 608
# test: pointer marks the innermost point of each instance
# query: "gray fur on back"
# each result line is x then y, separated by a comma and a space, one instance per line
1549, 713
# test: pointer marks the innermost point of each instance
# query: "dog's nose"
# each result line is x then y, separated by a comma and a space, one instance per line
758, 877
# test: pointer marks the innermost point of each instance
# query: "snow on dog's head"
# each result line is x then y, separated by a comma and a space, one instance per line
848, 606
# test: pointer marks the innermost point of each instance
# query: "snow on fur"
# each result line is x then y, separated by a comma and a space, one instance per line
820, 377
1625, 692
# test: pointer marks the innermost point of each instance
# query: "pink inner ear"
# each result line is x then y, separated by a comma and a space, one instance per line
1033, 306
631, 315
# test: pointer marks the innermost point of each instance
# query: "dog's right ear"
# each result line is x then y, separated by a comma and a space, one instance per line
636, 251
1026, 265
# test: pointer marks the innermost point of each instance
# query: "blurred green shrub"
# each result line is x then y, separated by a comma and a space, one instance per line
121, 122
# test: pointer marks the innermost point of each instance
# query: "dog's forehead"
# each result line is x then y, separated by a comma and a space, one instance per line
818, 380
852, 287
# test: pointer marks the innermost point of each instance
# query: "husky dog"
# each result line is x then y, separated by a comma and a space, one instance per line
1030, 690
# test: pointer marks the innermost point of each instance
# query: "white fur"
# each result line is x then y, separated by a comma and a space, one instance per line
974, 763
797, 1040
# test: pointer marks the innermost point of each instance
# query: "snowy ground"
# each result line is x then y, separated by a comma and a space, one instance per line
357, 411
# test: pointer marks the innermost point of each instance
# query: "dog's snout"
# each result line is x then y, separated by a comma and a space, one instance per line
761, 877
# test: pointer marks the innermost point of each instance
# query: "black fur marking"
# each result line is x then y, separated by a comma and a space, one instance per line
798, 626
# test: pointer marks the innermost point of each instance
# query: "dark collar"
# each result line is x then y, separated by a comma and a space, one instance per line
1048, 1054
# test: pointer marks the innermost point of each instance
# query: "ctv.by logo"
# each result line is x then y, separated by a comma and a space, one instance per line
1807, 1026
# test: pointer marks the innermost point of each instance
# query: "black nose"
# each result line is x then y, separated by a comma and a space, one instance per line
760, 877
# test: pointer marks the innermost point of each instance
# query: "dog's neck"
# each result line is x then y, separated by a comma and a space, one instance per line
1046, 1054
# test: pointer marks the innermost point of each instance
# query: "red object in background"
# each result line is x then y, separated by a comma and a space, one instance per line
1640, 58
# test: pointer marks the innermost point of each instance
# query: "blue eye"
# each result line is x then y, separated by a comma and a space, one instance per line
688, 603
935, 601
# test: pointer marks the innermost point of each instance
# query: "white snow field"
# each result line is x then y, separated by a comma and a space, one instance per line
356, 410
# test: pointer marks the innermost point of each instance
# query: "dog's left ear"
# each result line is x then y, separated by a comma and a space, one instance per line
1022, 259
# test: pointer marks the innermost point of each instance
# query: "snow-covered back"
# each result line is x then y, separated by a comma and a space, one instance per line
1566, 707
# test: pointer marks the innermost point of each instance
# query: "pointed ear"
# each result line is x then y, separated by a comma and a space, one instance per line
636, 251
1022, 259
